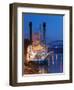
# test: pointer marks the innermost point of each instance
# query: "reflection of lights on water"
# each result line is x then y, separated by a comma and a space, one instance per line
43, 69
48, 61
52, 59
61, 63
56, 47
56, 57
56, 54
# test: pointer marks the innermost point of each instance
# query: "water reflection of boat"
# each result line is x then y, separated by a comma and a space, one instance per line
54, 63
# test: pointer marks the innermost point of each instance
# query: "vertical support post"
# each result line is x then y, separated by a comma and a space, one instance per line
30, 28
44, 32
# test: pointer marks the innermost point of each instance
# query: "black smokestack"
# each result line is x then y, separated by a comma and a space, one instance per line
30, 28
44, 32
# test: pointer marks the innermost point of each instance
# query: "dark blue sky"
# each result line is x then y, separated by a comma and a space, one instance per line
54, 25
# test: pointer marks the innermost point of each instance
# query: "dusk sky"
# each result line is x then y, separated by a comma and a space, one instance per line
54, 25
